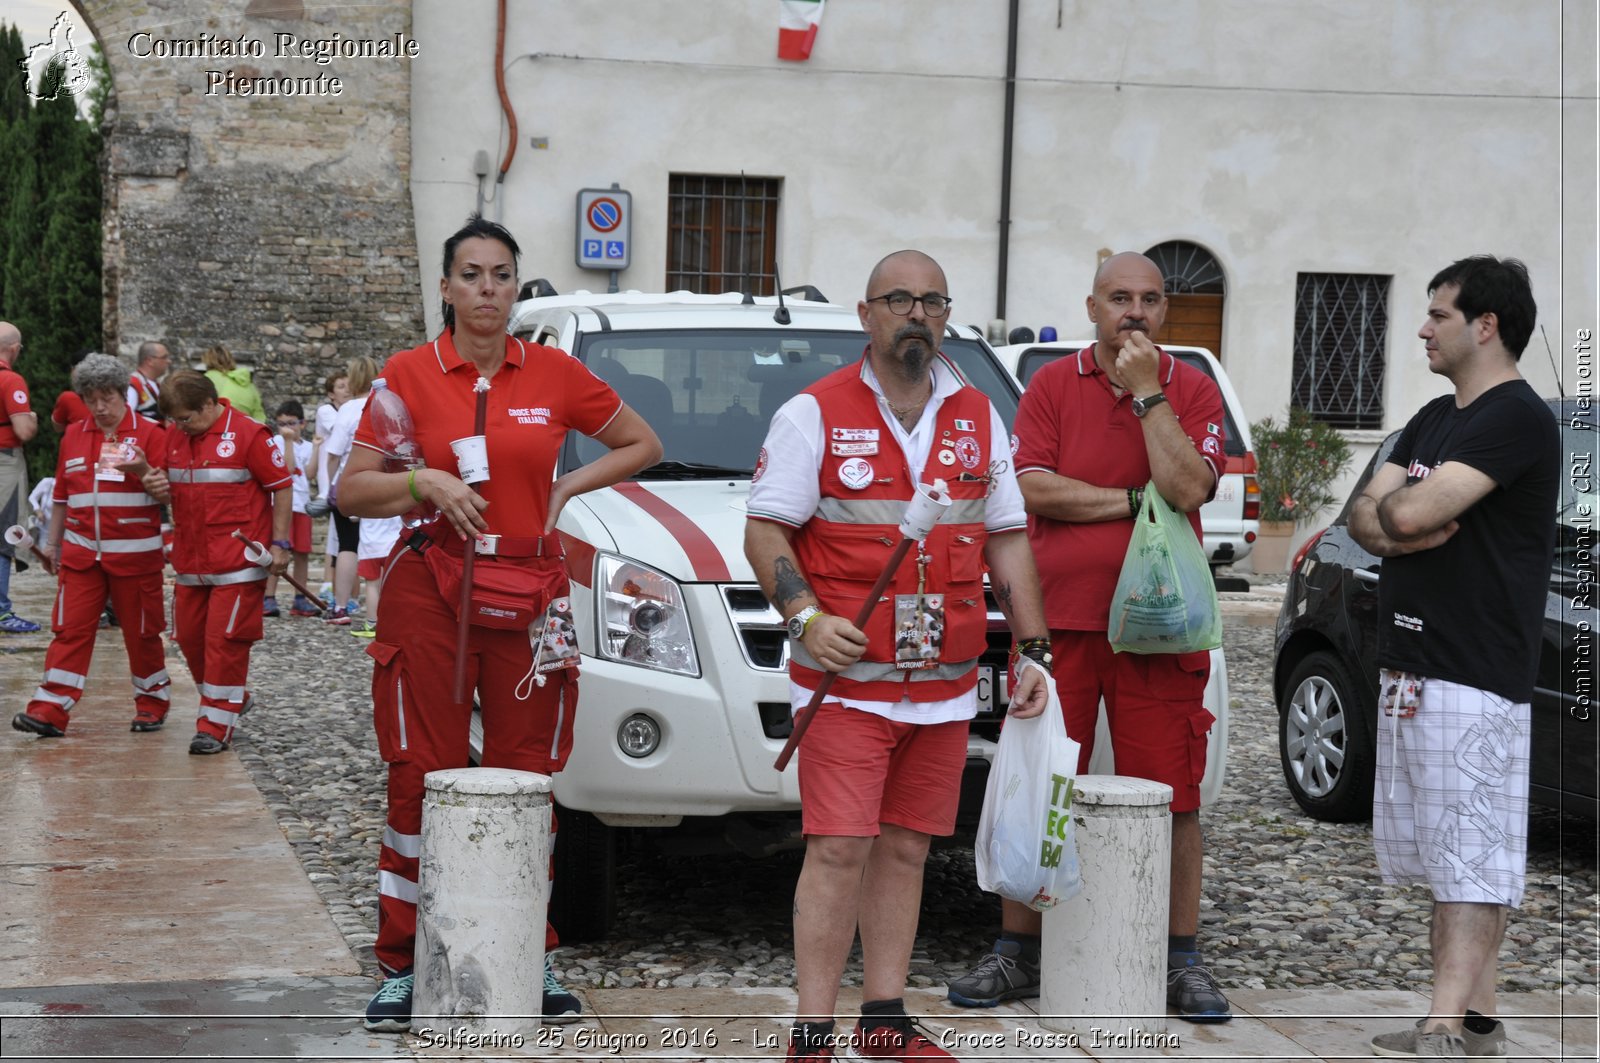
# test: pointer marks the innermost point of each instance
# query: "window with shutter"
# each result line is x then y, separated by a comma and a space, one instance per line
722, 234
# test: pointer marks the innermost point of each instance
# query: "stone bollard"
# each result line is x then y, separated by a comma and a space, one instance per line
1104, 953
483, 885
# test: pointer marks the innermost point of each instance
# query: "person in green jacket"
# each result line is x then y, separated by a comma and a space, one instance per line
233, 383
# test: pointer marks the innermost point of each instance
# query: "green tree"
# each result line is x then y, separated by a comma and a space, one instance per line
50, 245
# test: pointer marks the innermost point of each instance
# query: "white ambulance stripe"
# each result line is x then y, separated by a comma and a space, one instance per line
221, 693
221, 716
401, 889
208, 476
63, 700
115, 546
84, 500
150, 682
233, 615
65, 678
407, 845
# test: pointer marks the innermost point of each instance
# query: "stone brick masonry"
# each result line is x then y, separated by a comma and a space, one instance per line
277, 222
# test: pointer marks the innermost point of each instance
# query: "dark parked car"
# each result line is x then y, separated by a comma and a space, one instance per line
1326, 676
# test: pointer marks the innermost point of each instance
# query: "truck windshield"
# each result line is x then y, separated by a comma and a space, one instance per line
710, 393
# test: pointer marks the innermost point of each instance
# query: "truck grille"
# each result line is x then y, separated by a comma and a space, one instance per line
763, 639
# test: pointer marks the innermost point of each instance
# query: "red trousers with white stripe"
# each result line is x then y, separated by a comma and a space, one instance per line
75, 619
421, 729
216, 627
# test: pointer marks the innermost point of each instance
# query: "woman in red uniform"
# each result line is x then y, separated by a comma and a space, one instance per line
104, 538
536, 394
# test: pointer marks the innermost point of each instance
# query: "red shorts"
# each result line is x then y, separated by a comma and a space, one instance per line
300, 533
370, 567
1153, 707
859, 770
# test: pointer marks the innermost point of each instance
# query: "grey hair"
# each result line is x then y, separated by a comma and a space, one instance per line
99, 372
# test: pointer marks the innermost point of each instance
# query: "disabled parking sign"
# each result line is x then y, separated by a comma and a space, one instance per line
605, 223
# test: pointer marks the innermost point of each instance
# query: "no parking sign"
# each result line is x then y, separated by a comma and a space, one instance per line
605, 223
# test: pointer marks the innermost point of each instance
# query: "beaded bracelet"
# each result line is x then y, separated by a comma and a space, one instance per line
1135, 499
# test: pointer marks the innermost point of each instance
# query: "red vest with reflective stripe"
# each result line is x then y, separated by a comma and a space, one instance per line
213, 493
145, 391
111, 522
845, 546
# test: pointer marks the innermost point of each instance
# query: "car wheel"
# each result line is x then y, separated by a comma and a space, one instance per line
583, 897
1325, 741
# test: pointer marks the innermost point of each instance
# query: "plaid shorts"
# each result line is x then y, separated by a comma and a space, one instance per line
1450, 803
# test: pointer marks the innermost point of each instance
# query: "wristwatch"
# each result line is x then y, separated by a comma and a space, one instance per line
1144, 406
798, 622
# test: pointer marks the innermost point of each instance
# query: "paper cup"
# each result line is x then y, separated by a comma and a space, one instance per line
472, 458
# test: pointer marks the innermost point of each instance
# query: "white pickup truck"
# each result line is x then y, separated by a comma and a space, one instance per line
684, 693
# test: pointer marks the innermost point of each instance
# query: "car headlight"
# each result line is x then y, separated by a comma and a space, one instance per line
642, 618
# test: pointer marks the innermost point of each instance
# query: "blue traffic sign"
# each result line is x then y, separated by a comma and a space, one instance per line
604, 229
591, 249
615, 249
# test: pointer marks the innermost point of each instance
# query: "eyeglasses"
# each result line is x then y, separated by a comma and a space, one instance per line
186, 418
289, 423
900, 303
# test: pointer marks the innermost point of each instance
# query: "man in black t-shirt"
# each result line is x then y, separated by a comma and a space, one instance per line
1464, 510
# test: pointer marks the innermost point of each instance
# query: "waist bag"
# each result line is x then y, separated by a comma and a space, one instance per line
508, 593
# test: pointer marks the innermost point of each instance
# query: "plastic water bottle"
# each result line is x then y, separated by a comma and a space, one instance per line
397, 436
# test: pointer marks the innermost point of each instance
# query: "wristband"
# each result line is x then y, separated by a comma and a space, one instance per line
283, 544
1135, 499
1037, 650
411, 485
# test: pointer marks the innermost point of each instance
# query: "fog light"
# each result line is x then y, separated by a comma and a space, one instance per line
639, 735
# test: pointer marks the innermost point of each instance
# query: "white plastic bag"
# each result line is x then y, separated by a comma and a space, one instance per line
1026, 849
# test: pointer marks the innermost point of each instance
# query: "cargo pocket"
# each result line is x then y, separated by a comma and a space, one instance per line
1183, 684
389, 702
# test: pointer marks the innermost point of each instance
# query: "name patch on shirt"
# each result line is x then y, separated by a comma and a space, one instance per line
530, 414
854, 435
845, 450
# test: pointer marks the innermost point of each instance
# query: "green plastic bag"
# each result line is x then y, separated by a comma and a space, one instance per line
1166, 600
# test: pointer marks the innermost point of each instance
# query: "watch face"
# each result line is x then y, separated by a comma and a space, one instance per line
797, 627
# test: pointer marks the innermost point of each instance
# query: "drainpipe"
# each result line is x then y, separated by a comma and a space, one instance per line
1005, 162
505, 105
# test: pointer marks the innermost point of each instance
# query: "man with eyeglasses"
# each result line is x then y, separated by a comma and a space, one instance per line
880, 768
18, 424
1092, 431
221, 474
144, 385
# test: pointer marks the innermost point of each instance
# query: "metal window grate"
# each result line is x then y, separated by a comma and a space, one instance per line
1341, 329
1187, 269
722, 234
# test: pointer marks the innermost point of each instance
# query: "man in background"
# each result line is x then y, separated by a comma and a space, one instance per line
18, 424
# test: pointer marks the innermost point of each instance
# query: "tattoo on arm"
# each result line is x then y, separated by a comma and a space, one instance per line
788, 584
1002, 595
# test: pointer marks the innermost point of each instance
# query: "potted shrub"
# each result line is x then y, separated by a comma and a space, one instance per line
1297, 462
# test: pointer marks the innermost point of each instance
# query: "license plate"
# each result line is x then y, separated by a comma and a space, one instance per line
991, 689
1225, 490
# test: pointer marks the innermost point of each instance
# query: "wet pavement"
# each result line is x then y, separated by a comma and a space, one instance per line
153, 909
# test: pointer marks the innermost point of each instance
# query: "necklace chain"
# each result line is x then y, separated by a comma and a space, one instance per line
909, 410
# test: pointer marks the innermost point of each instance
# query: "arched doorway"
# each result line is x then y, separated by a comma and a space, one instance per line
1195, 289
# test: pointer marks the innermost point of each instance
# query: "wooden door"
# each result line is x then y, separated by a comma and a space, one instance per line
1194, 321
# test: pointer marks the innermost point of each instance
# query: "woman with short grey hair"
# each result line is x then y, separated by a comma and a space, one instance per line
104, 540
100, 372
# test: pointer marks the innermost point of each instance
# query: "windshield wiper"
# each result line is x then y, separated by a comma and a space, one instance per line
690, 470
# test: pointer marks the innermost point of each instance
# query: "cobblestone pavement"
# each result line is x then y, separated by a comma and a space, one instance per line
1290, 902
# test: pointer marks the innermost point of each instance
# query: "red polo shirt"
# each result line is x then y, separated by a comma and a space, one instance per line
534, 398
13, 400
1070, 423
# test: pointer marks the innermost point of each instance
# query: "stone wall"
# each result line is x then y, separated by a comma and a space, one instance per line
259, 200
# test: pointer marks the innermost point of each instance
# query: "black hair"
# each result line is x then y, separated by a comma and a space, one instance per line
291, 407
1498, 286
477, 226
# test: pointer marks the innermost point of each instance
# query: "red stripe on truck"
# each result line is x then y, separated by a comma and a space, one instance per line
704, 557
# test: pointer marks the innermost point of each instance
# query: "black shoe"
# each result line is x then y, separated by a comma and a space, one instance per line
204, 745
23, 722
1193, 993
389, 1010
558, 1005
142, 722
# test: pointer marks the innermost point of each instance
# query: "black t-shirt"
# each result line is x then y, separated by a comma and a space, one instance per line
1471, 610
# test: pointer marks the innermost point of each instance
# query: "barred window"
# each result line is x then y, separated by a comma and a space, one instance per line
1341, 328
722, 234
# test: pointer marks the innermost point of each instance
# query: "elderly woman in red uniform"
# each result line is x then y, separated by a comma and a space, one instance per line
421, 726
104, 538
222, 475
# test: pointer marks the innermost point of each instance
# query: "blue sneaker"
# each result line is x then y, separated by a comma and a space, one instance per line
353, 607
13, 624
389, 1010
560, 1007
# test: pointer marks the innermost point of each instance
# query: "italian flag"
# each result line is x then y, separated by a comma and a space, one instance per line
797, 28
